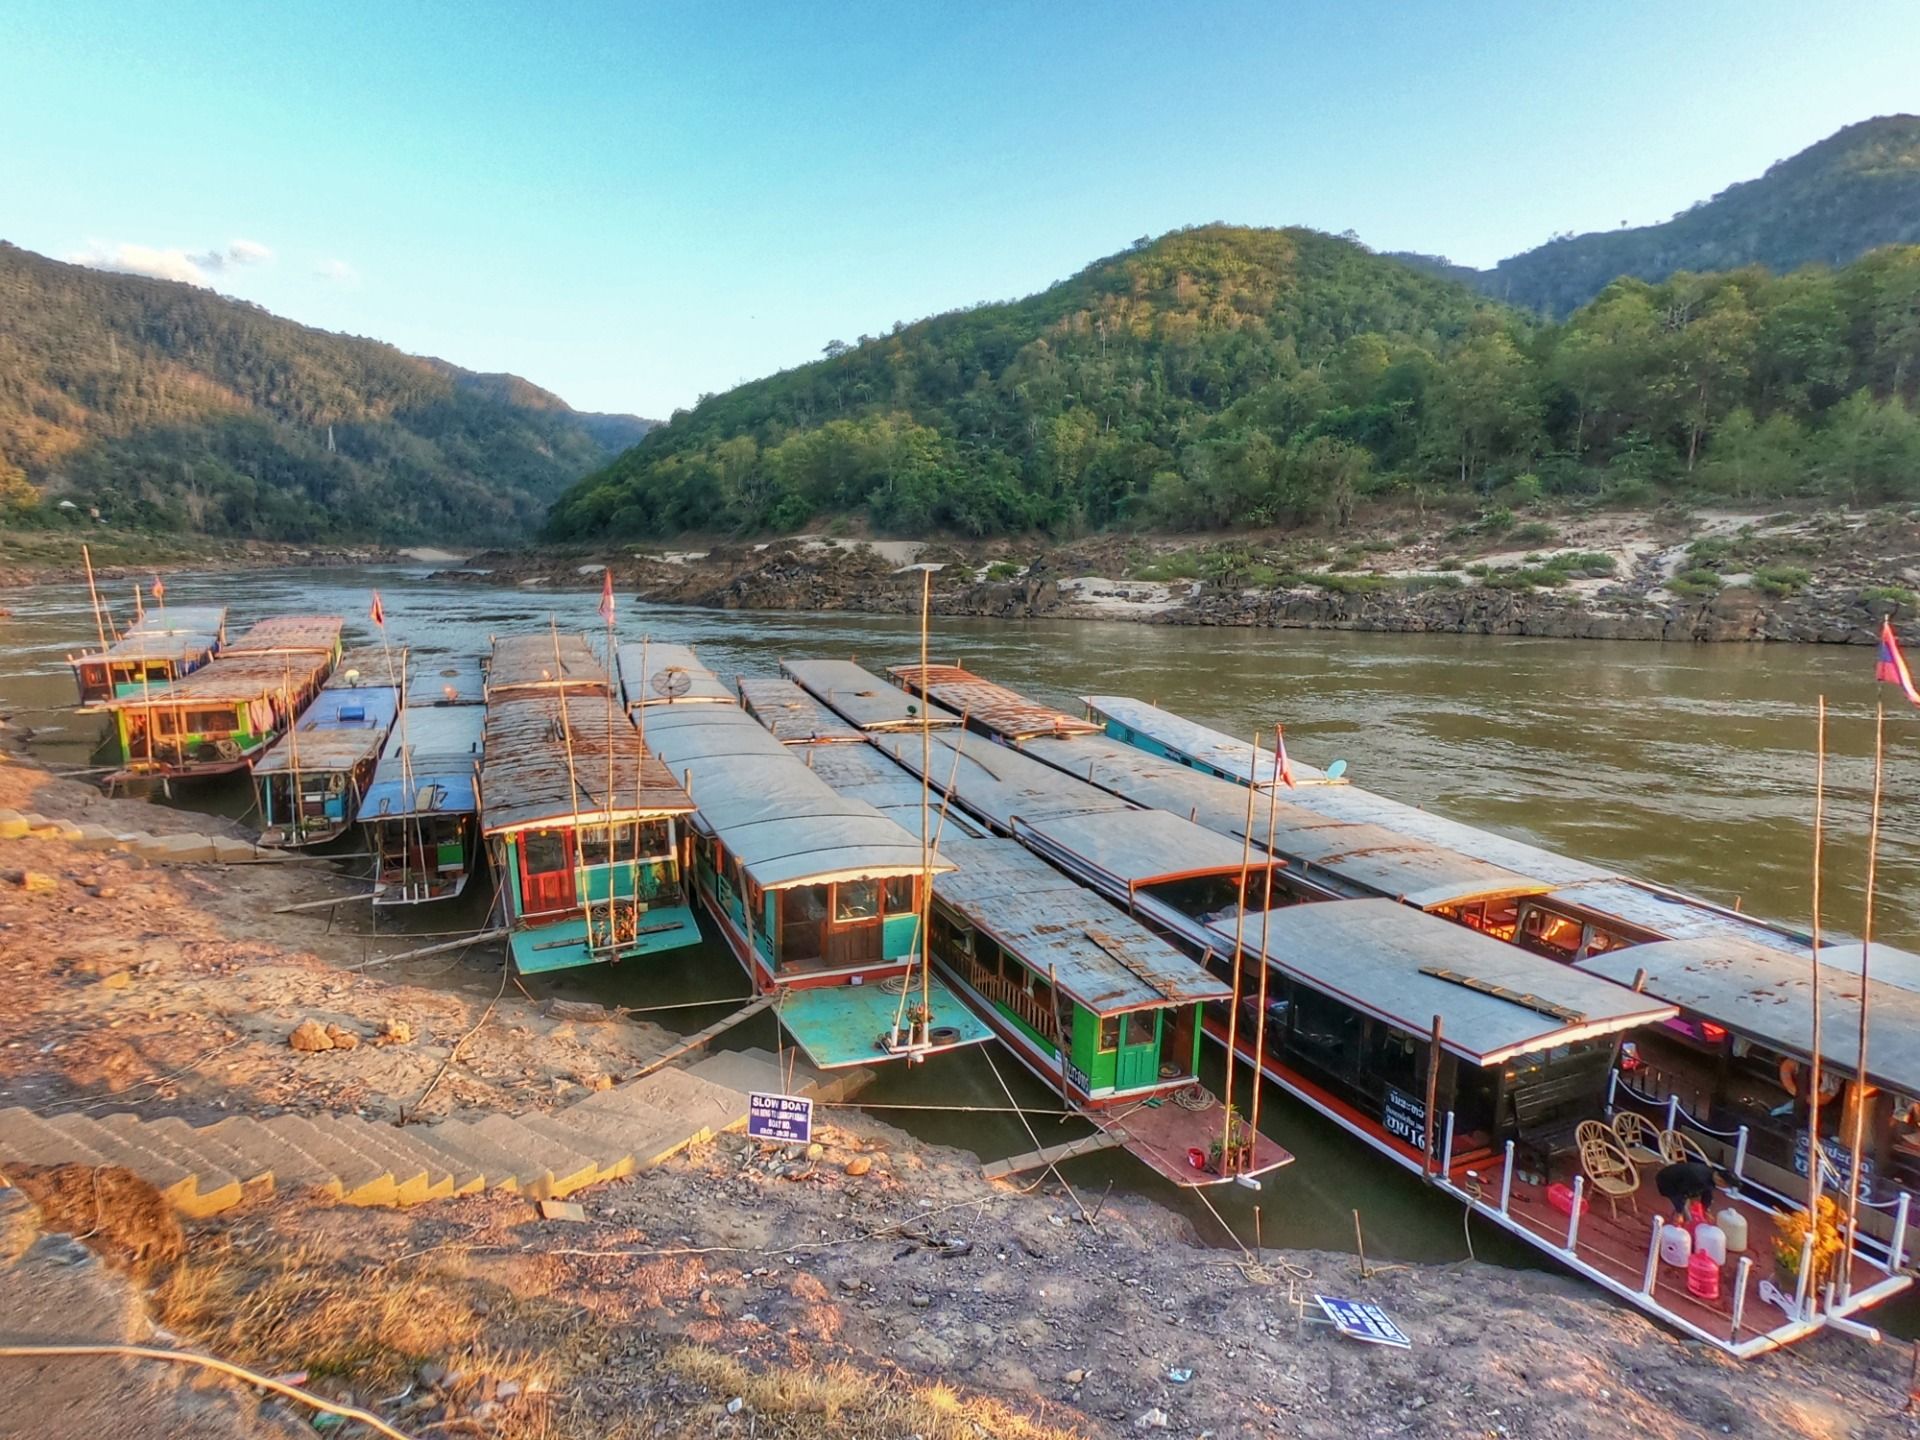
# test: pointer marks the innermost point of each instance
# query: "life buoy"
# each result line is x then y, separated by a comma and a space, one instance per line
1830, 1083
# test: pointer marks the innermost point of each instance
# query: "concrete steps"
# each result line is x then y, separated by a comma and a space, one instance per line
174, 849
202, 1170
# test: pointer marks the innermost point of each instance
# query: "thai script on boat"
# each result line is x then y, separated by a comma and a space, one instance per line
1404, 1117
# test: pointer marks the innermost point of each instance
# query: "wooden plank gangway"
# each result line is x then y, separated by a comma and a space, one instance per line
700, 1039
1034, 1159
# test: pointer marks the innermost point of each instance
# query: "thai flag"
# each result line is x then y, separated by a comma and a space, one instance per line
1893, 665
377, 612
1280, 753
606, 596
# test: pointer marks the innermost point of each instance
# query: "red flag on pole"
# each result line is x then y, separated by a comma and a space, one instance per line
159, 590
377, 611
1892, 669
606, 595
1280, 749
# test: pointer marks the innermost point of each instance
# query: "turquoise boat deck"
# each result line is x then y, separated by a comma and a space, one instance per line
843, 1025
562, 945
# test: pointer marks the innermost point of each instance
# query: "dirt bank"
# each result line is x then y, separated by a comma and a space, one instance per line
1823, 577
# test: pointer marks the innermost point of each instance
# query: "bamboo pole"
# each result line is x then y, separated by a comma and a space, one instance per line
1266, 920
1433, 1095
1813, 1061
1860, 1086
1233, 1015
924, 911
93, 592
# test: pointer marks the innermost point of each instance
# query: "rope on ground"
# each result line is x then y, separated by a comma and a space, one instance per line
410, 1111
120, 1097
185, 1357
963, 1109
1052, 1169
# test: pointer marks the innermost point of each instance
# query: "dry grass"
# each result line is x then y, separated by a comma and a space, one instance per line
838, 1402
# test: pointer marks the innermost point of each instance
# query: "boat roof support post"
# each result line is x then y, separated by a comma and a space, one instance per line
1433, 1095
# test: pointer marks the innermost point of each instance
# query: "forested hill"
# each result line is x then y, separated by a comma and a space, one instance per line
1854, 191
1225, 377
171, 407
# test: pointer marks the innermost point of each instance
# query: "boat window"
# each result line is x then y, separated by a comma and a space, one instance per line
898, 893
543, 851
856, 900
210, 722
1109, 1032
1599, 941
1546, 933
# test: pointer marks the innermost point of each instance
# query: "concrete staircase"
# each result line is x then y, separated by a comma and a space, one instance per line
204, 1170
176, 849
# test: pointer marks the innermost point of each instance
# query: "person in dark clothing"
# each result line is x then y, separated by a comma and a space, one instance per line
1684, 1184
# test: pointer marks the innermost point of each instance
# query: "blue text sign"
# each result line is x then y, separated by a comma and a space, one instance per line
785, 1118
1363, 1322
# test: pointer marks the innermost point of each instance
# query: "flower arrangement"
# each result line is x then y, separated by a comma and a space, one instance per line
1790, 1237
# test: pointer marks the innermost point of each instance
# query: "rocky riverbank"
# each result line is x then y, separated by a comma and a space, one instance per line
1826, 579
33, 557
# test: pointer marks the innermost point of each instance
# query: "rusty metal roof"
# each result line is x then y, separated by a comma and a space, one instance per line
289, 634
181, 617
233, 679
367, 665
793, 716
314, 751
452, 680
993, 707
862, 698
526, 778
530, 664
171, 644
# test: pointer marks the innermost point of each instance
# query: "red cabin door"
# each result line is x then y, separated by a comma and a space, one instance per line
546, 871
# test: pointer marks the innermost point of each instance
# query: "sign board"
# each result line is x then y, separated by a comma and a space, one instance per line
782, 1118
1404, 1117
1359, 1321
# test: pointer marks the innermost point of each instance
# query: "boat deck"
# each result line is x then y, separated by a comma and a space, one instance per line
842, 1025
1159, 1132
1616, 1248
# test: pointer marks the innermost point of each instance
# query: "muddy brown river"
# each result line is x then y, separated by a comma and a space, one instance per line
1689, 765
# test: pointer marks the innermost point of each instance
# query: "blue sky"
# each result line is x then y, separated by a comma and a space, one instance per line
632, 204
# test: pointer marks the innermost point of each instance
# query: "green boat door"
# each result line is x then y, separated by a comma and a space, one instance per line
1138, 1063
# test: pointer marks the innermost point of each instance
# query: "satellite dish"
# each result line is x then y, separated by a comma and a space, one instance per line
672, 682
1336, 769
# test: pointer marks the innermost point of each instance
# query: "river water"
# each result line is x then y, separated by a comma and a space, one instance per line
1690, 765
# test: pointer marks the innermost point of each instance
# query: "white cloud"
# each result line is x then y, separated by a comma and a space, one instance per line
171, 264
338, 271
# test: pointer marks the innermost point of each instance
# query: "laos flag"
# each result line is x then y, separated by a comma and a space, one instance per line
1893, 665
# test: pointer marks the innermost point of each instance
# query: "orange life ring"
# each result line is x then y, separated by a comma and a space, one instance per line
1830, 1083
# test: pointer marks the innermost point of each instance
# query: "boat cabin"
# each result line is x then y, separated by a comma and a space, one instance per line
421, 812
662, 673
793, 717
544, 664
216, 720
1210, 752
444, 680
290, 635
310, 781
155, 650
589, 870
986, 707
863, 699
370, 666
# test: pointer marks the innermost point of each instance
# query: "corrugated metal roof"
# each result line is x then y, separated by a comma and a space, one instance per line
1767, 995
995, 707
793, 716
1885, 964
530, 664
444, 680
367, 708
996, 782
177, 643
314, 751
439, 747
364, 665
862, 698
526, 779
786, 825
1105, 959
1238, 758
1144, 847
232, 679
283, 634
661, 673
1357, 859
181, 617
1672, 916
1399, 965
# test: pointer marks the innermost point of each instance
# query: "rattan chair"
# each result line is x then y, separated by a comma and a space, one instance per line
1639, 1137
1678, 1149
1607, 1166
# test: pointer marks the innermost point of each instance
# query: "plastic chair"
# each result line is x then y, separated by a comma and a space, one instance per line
1679, 1149
1606, 1164
1639, 1137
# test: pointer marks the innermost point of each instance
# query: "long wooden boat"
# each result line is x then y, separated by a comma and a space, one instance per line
421, 813
310, 781
1089, 1000
225, 714
817, 895
580, 817
155, 650
655, 672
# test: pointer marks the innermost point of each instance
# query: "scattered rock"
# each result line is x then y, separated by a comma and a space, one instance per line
394, 1032
597, 1082
561, 1210
859, 1165
342, 1038
1154, 1419
816, 1150
33, 881
1075, 1377
310, 1035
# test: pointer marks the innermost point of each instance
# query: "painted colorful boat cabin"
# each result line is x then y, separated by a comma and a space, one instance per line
226, 713
158, 648
580, 818
310, 782
818, 895
421, 813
